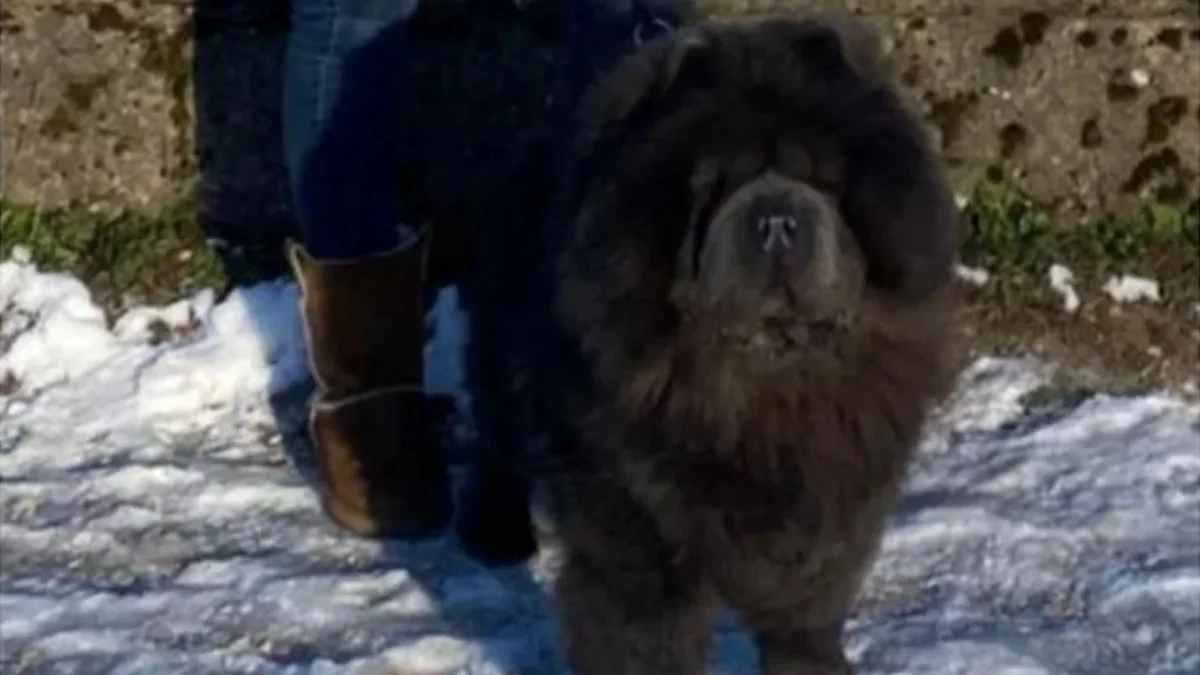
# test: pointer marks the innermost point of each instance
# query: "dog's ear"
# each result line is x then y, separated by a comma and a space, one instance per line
900, 208
649, 78
832, 44
818, 47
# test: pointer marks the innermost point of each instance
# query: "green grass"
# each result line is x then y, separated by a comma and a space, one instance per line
1102, 345
1009, 235
160, 256
130, 257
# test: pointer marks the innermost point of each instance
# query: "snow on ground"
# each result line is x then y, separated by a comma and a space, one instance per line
976, 276
1062, 282
155, 519
1129, 288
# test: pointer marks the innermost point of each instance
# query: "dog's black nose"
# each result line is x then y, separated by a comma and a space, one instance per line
777, 225
777, 232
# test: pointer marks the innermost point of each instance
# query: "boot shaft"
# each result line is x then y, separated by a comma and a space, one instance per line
364, 319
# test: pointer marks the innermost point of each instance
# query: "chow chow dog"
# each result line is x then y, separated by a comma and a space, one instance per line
732, 331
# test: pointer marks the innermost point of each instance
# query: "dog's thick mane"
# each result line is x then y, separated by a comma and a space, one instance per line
869, 383
886, 362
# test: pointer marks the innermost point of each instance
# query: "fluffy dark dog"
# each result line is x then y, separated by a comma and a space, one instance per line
748, 331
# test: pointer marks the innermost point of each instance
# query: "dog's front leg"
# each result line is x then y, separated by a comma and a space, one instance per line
628, 606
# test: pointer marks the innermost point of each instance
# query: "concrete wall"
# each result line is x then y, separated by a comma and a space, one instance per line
1089, 104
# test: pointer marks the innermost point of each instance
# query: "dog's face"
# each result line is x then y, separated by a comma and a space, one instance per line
753, 180
766, 266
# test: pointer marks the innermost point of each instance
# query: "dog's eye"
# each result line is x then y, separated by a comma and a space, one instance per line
828, 181
829, 174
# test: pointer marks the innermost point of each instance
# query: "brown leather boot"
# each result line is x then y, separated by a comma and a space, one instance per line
381, 462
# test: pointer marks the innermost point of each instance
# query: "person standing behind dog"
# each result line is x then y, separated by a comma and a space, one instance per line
360, 259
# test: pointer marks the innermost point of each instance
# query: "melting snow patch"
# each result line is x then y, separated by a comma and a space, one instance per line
137, 325
21, 255
1127, 288
1062, 280
976, 276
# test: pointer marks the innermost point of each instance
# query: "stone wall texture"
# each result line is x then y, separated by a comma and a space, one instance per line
1090, 105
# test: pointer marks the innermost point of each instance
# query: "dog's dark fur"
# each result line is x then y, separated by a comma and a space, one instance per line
731, 416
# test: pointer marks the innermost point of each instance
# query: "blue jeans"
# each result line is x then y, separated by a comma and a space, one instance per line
342, 100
